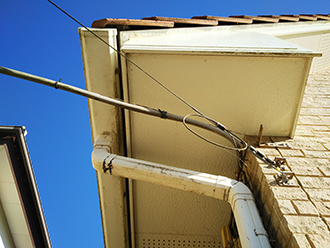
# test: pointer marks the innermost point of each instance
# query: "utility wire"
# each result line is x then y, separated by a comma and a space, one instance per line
112, 101
219, 128
236, 148
145, 110
217, 124
223, 130
131, 61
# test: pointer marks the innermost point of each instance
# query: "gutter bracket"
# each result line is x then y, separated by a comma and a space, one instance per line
284, 176
108, 166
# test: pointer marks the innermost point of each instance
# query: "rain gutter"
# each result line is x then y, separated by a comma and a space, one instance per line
250, 228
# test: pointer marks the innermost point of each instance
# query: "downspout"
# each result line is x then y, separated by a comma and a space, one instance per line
250, 228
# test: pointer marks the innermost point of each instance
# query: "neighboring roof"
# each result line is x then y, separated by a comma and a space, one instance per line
198, 21
21, 206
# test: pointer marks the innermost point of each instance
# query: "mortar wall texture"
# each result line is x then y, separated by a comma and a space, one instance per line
298, 216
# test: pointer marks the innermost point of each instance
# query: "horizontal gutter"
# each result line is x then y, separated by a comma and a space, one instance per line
251, 231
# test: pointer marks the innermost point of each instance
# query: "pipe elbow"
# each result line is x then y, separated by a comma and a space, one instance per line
101, 154
239, 191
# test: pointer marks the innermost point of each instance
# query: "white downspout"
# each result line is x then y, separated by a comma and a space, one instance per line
251, 231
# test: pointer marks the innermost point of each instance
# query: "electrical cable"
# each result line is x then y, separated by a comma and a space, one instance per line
217, 124
219, 128
129, 60
210, 141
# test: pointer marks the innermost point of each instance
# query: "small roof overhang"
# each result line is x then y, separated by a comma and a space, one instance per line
254, 78
241, 76
22, 223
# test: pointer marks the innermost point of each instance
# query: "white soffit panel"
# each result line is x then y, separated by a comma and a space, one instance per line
216, 42
11, 203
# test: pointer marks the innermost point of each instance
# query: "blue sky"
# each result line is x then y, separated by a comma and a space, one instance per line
39, 39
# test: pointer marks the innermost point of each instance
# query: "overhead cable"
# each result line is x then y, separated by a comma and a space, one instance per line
116, 102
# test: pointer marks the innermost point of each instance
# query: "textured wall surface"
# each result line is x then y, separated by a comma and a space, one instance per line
299, 216
319, 42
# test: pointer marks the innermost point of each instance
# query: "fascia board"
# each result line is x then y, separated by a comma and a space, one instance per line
101, 72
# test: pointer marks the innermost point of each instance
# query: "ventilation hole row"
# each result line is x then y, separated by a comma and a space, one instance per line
162, 243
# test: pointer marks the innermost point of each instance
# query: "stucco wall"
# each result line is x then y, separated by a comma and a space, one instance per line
319, 42
299, 216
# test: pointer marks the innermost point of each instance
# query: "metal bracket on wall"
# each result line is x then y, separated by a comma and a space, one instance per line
284, 175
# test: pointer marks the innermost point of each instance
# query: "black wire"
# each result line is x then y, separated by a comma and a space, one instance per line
217, 124
233, 137
132, 62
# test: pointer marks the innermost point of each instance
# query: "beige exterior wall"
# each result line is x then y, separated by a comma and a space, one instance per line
319, 42
299, 216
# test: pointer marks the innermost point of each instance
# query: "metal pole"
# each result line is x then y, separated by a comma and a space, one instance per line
115, 102
218, 128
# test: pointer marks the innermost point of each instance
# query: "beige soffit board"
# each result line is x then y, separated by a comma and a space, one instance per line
239, 63
242, 79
